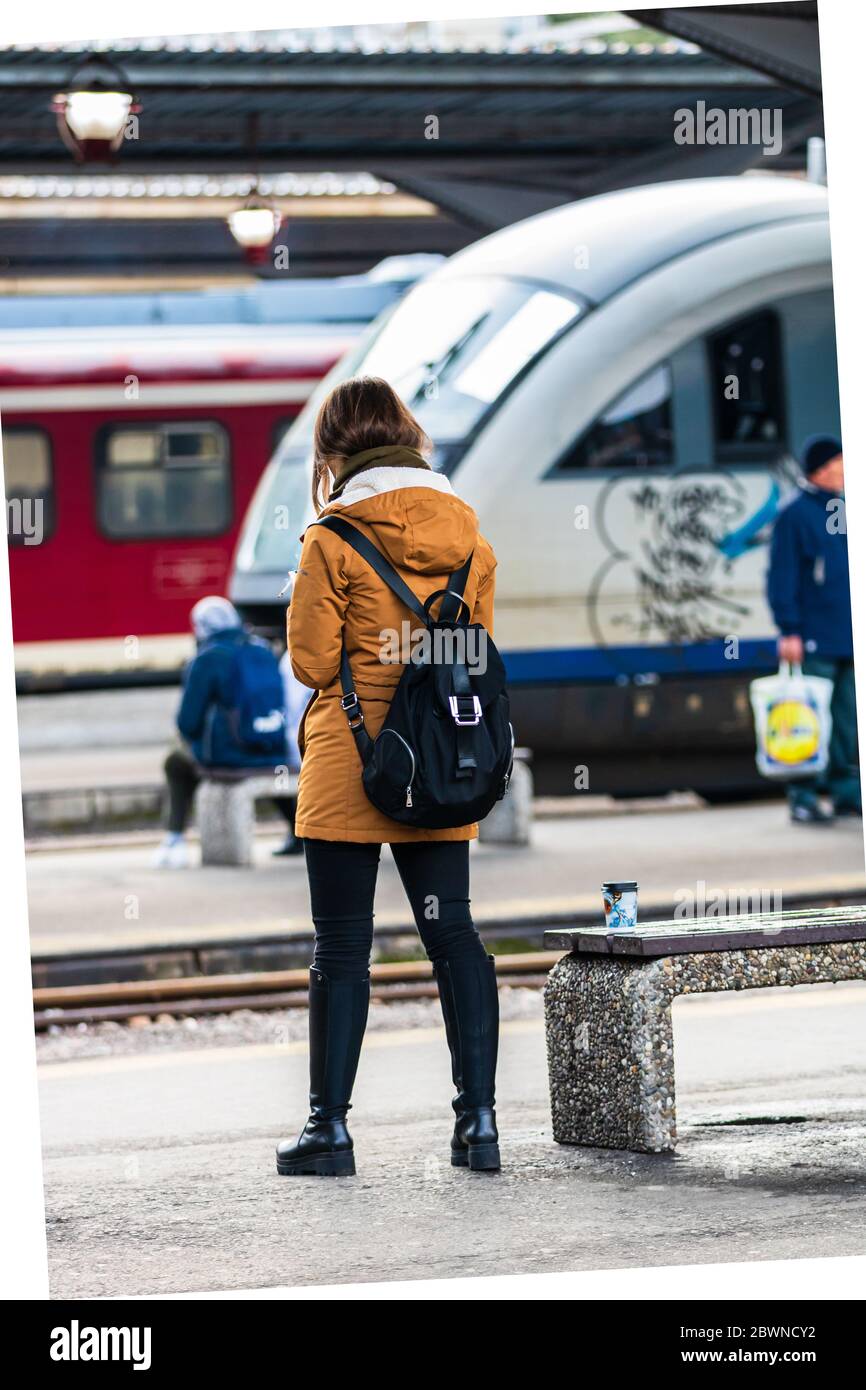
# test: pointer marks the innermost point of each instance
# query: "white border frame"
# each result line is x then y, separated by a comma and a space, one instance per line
23, 1249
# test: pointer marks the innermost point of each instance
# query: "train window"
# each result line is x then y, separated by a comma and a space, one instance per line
635, 432
168, 479
29, 485
746, 384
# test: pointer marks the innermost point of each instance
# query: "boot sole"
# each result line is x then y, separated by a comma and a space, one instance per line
319, 1165
480, 1158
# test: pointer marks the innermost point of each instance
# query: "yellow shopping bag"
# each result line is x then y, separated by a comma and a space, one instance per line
792, 722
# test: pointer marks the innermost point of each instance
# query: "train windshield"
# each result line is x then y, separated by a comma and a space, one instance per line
451, 349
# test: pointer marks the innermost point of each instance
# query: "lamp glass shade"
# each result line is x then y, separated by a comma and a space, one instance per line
97, 115
252, 227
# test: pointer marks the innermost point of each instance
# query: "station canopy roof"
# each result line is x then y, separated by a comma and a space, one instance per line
425, 148
779, 39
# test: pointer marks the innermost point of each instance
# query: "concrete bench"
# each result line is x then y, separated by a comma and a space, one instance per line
226, 814
510, 821
607, 1004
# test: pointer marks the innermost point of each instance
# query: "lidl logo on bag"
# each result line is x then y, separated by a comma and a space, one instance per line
793, 732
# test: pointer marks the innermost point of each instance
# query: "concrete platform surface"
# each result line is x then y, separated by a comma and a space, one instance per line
159, 1169
104, 898
96, 719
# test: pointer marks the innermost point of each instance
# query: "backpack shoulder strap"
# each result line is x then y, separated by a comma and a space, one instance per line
376, 560
449, 609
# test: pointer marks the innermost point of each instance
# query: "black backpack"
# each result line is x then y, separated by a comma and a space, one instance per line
444, 754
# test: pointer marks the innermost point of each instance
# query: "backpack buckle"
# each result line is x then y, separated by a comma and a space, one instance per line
352, 706
460, 713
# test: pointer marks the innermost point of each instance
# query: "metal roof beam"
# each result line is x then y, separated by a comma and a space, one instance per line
523, 166
704, 161
480, 203
779, 41
533, 77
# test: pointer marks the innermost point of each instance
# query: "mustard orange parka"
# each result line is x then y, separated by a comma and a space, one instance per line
414, 517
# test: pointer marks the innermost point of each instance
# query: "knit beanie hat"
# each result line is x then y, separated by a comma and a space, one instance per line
213, 614
817, 450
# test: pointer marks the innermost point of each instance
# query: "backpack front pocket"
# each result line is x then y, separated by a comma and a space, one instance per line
394, 768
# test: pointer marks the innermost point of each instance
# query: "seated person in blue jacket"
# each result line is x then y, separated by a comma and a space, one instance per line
231, 716
809, 593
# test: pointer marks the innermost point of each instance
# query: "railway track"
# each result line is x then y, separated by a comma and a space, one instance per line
67, 1005
182, 982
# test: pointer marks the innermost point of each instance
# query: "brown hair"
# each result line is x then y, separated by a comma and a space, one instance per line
361, 413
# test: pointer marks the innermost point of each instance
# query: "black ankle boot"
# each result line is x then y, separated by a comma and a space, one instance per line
470, 1007
338, 1017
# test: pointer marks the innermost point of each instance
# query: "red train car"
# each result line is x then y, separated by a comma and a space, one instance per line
130, 456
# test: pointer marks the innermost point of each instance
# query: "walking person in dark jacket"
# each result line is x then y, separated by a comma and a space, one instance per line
809, 594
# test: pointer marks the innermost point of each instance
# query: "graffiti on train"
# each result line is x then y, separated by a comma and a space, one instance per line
672, 545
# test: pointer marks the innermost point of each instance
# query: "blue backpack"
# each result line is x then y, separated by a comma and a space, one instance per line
256, 714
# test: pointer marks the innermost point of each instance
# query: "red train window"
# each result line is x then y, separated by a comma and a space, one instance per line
170, 479
29, 474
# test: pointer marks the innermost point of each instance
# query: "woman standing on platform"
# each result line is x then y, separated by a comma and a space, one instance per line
371, 467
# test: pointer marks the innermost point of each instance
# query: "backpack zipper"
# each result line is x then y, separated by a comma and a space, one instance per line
412, 756
511, 764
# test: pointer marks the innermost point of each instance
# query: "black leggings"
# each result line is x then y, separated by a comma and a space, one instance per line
342, 876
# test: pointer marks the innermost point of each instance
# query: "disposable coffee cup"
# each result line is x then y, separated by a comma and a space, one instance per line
620, 906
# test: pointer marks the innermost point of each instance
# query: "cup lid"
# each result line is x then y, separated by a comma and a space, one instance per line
620, 887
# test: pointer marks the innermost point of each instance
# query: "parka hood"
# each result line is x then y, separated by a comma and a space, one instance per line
418, 521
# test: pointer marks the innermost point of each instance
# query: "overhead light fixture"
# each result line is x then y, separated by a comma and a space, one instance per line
256, 222
254, 226
92, 114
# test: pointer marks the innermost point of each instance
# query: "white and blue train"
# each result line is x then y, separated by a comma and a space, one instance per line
619, 387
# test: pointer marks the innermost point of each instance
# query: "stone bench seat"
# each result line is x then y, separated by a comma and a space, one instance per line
510, 821
607, 1005
226, 801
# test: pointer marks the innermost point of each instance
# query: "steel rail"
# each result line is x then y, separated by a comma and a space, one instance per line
71, 1005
